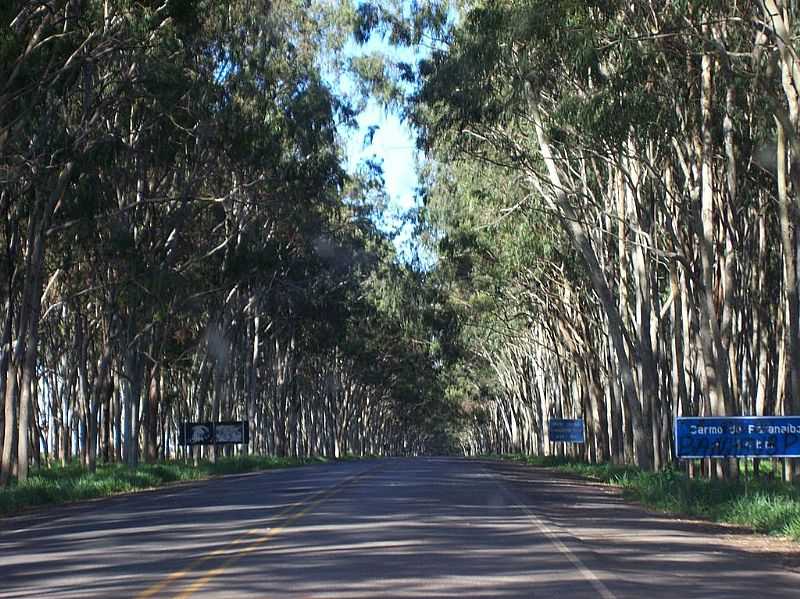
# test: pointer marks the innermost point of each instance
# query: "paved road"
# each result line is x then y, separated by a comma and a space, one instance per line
385, 528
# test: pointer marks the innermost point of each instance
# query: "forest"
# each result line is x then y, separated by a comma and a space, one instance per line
608, 188
614, 187
180, 241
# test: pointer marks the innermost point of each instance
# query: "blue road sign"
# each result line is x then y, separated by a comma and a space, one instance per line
738, 437
566, 430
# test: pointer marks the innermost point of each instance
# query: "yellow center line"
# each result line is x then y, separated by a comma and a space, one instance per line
177, 575
247, 538
257, 544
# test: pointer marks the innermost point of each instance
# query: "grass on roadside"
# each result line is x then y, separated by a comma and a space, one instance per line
62, 484
765, 505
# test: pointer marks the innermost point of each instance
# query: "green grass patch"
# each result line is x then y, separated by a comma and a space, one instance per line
62, 484
766, 505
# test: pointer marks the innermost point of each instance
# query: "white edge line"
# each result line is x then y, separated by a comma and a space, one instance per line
590, 576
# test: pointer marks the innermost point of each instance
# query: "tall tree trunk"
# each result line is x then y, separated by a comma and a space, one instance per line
215, 403
100, 391
131, 390
789, 246
26, 391
572, 225
648, 374
6, 348
715, 360
9, 423
151, 415
252, 389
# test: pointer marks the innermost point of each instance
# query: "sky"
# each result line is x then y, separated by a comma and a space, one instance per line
393, 146
393, 143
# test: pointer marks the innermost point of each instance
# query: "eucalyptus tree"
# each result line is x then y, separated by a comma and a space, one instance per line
48, 53
658, 136
172, 179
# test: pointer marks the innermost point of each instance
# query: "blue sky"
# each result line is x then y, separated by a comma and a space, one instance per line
393, 146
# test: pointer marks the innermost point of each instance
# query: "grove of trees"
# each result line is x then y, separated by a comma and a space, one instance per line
613, 191
610, 190
180, 240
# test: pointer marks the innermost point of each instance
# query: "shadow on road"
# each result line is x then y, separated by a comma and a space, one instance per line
421, 528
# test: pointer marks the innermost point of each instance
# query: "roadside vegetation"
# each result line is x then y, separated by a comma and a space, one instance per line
605, 226
764, 503
63, 484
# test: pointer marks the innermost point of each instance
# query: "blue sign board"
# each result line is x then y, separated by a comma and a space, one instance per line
738, 437
566, 430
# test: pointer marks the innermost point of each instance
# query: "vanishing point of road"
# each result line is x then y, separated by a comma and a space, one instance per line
424, 527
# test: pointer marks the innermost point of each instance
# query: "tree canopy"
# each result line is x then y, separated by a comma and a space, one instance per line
612, 186
182, 243
608, 188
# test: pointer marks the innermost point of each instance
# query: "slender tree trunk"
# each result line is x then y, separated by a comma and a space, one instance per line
117, 420
252, 389
6, 348
574, 229
132, 391
215, 403
679, 392
9, 424
648, 374
100, 391
792, 330
151, 415
9, 407
715, 360
26, 393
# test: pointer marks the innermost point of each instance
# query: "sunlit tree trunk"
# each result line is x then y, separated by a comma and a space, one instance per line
572, 225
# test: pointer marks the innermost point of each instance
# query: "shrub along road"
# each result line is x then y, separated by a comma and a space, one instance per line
427, 527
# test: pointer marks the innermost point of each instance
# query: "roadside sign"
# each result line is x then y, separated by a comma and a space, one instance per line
195, 433
213, 433
737, 437
231, 432
565, 430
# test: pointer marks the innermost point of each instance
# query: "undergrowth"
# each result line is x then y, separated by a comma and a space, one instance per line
764, 504
62, 484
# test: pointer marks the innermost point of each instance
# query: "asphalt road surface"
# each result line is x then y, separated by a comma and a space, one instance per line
426, 527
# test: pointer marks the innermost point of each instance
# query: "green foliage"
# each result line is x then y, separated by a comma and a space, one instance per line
767, 512
209, 195
763, 504
47, 486
375, 78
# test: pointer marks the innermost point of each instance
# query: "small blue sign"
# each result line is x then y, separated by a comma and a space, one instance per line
566, 430
738, 437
